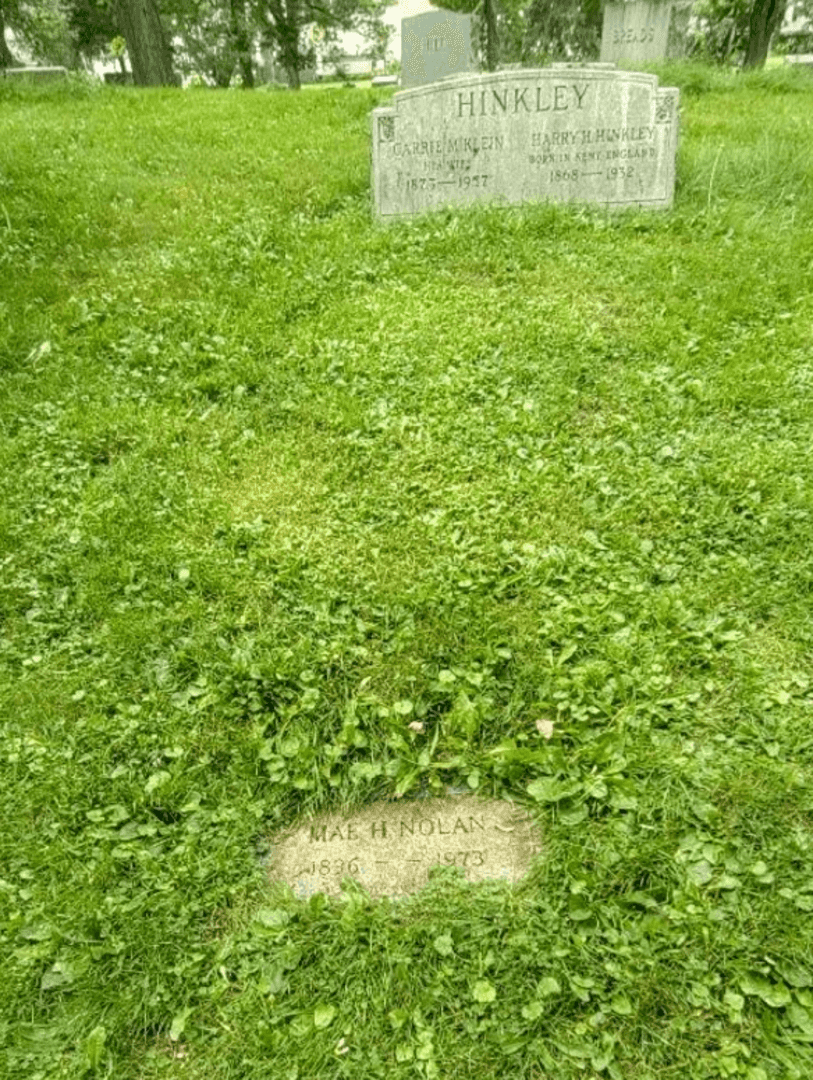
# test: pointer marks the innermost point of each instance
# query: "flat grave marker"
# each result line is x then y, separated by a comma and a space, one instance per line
567, 133
389, 847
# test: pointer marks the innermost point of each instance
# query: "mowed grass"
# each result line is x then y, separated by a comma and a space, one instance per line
277, 482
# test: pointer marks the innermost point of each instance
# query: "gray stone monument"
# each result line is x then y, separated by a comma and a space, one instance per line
34, 74
567, 133
434, 45
640, 31
390, 847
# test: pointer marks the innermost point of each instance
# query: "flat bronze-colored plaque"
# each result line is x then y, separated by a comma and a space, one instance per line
390, 847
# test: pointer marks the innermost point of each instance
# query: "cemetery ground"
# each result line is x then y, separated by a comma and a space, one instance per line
299, 511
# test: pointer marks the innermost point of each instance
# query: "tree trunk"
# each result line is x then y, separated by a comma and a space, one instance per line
242, 42
766, 18
292, 74
6, 55
490, 23
287, 18
593, 14
147, 44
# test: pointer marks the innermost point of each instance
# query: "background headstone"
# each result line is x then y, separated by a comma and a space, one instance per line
389, 847
35, 74
640, 31
567, 133
434, 45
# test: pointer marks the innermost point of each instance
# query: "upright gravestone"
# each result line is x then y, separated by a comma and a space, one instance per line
567, 133
640, 31
390, 847
434, 45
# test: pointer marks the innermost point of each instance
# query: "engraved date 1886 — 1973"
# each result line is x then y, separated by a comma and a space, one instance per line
351, 867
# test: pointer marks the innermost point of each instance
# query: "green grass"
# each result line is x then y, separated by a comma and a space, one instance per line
268, 471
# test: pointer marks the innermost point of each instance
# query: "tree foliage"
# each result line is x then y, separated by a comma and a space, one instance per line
42, 28
741, 30
93, 26
533, 31
218, 36
562, 30
7, 58
284, 23
207, 46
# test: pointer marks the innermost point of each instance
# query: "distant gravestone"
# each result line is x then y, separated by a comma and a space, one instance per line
800, 59
35, 74
390, 847
434, 45
641, 31
567, 133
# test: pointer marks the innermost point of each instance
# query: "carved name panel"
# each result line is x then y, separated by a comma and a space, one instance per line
569, 133
390, 847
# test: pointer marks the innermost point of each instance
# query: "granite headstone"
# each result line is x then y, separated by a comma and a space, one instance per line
567, 133
435, 45
641, 31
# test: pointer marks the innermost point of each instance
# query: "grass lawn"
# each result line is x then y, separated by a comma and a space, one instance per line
277, 482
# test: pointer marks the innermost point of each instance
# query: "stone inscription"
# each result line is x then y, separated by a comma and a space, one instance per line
594, 135
390, 847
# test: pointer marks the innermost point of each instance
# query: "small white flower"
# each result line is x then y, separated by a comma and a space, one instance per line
545, 728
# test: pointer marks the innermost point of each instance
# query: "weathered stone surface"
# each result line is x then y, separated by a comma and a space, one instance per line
569, 133
802, 59
434, 45
390, 847
644, 30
